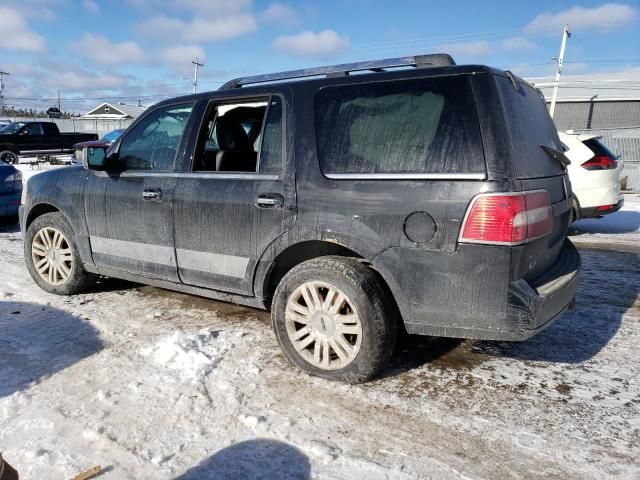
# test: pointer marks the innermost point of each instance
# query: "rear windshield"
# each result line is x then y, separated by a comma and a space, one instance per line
599, 149
530, 126
407, 127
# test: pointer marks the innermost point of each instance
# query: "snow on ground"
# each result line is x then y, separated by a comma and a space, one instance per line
153, 384
624, 224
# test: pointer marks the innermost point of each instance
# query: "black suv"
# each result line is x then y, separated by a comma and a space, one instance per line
353, 200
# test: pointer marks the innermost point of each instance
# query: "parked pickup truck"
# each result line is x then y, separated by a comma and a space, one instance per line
37, 138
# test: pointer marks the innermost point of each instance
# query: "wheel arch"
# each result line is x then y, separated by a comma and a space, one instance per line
37, 211
9, 146
297, 253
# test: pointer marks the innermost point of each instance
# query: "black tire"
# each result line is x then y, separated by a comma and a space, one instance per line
79, 279
372, 301
9, 156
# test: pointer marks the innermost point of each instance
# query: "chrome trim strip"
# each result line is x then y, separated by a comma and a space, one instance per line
213, 263
143, 252
203, 175
406, 176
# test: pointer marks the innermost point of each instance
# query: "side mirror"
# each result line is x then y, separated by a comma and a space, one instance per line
95, 158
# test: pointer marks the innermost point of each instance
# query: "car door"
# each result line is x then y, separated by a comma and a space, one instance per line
128, 209
236, 197
32, 138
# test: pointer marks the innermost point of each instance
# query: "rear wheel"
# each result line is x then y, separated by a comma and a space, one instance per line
8, 156
332, 319
52, 257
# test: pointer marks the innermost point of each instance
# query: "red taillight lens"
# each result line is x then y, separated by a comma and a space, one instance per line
605, 208
600, 162
507, 219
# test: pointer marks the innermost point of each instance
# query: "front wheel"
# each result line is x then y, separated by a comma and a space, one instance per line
52, 257
9, 156
333, 318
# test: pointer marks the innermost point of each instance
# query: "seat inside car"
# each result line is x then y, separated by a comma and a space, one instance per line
236, 152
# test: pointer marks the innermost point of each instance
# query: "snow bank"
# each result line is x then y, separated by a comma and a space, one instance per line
192, 355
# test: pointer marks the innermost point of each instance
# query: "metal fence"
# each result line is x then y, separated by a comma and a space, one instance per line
81, 125
626, 143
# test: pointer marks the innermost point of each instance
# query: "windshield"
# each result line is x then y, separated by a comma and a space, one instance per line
112, 136
12, 128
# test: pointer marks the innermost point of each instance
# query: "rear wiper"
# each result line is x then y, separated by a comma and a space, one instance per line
556, 155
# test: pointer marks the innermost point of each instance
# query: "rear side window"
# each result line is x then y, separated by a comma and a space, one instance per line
408, 127
599, 149
530, 126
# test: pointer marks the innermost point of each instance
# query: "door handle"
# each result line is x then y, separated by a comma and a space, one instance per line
152, 194
270, 200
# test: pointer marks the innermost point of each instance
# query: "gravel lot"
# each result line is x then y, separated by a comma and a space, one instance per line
153, 384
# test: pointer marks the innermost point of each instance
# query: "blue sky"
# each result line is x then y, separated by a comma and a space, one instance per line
122, 50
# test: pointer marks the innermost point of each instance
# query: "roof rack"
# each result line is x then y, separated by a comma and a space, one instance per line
417, 61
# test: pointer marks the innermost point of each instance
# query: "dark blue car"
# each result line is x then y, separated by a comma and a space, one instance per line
10, 191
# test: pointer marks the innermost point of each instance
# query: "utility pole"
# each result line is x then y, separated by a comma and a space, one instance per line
195, 74
59, 99
560, 60
2, 74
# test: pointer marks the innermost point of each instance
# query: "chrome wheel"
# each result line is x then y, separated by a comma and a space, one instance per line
51, 256
323, 325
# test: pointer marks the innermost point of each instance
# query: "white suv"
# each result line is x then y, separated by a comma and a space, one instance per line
595, 175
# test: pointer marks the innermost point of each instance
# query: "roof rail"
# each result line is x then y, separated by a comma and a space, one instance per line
418, 61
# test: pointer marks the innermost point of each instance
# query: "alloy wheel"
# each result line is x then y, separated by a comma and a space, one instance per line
323, 325
51, 255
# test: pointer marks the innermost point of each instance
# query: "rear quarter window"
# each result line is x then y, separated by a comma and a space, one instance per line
599, 149
530, 126
402, 127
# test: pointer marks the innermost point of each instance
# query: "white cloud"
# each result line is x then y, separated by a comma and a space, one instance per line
214, 8
91, 6
198, 30
322, 44
180, 57
467, 49
606, 17
280, 14
518, 43
101, 50
78, 79
15, 33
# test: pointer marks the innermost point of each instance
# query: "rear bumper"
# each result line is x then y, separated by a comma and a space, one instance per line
533, 307
469, 294
592, 212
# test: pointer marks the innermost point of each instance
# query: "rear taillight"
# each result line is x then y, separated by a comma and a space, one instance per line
600, 162
605, 208
14, 179
507, 218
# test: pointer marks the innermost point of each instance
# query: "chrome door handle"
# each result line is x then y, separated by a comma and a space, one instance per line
152, 194
270, 200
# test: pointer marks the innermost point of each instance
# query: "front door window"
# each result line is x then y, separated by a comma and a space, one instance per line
153, 143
